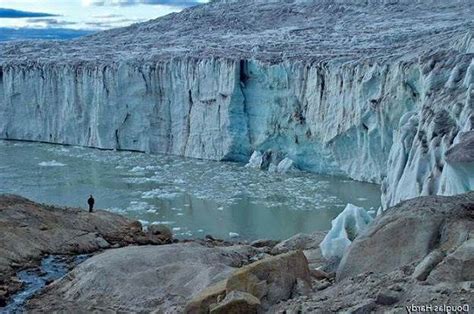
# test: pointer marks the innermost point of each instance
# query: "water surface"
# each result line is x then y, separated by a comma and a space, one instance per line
34, 280
193, 197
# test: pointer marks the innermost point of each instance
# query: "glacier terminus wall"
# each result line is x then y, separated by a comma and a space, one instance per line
380, 92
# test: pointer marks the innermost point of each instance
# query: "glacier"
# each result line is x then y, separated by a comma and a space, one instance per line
378, 91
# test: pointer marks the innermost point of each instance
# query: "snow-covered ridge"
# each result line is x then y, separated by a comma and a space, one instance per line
377, 93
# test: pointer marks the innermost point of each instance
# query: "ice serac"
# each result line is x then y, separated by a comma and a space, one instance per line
344, 229
378, 91
433, 150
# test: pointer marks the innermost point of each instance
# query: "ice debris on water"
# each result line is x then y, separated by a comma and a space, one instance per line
255, 160
52, 163
345, 227
137, 169
270, 161
234, 235
285, 165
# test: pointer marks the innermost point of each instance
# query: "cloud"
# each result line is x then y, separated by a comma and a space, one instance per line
176, 3
48, 22
14, 14
107, 16
10, 34
112, 23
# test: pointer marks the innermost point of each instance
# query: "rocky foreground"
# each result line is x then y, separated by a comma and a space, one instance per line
418, 253
30, 231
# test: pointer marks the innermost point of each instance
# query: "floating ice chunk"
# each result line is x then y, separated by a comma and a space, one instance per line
272, 168
165, 222
345, 228
255, 160
115, 209
234, 235
139, 206
137, 169
160, 194
58, 150
285, 165
52, 163
169, 196
380, 211
136, 180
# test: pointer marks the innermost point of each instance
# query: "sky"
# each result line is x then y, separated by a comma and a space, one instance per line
63, 19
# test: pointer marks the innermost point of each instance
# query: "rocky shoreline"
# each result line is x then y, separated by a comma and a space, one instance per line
31, 231
418, 253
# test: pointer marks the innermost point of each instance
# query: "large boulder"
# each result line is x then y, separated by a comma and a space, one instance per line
237, 302
161, 231
272, 279
207, 298
308, 243
424, 268
457, 266
300, 241
407, 233
142, 278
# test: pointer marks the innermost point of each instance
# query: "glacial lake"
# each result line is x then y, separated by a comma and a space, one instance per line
194, 197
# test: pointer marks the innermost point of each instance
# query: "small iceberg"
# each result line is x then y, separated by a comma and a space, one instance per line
271, 161
140, 206
255, 160
234, 235
345, 228
52, 163
137, 169
285, 165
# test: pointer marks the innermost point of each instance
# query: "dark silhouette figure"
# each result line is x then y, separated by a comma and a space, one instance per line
91, 202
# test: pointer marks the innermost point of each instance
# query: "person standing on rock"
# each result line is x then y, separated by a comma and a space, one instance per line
91, 202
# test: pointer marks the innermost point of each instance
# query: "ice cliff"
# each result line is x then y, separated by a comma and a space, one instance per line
379, 91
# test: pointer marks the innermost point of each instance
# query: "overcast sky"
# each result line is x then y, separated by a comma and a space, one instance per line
84, 14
